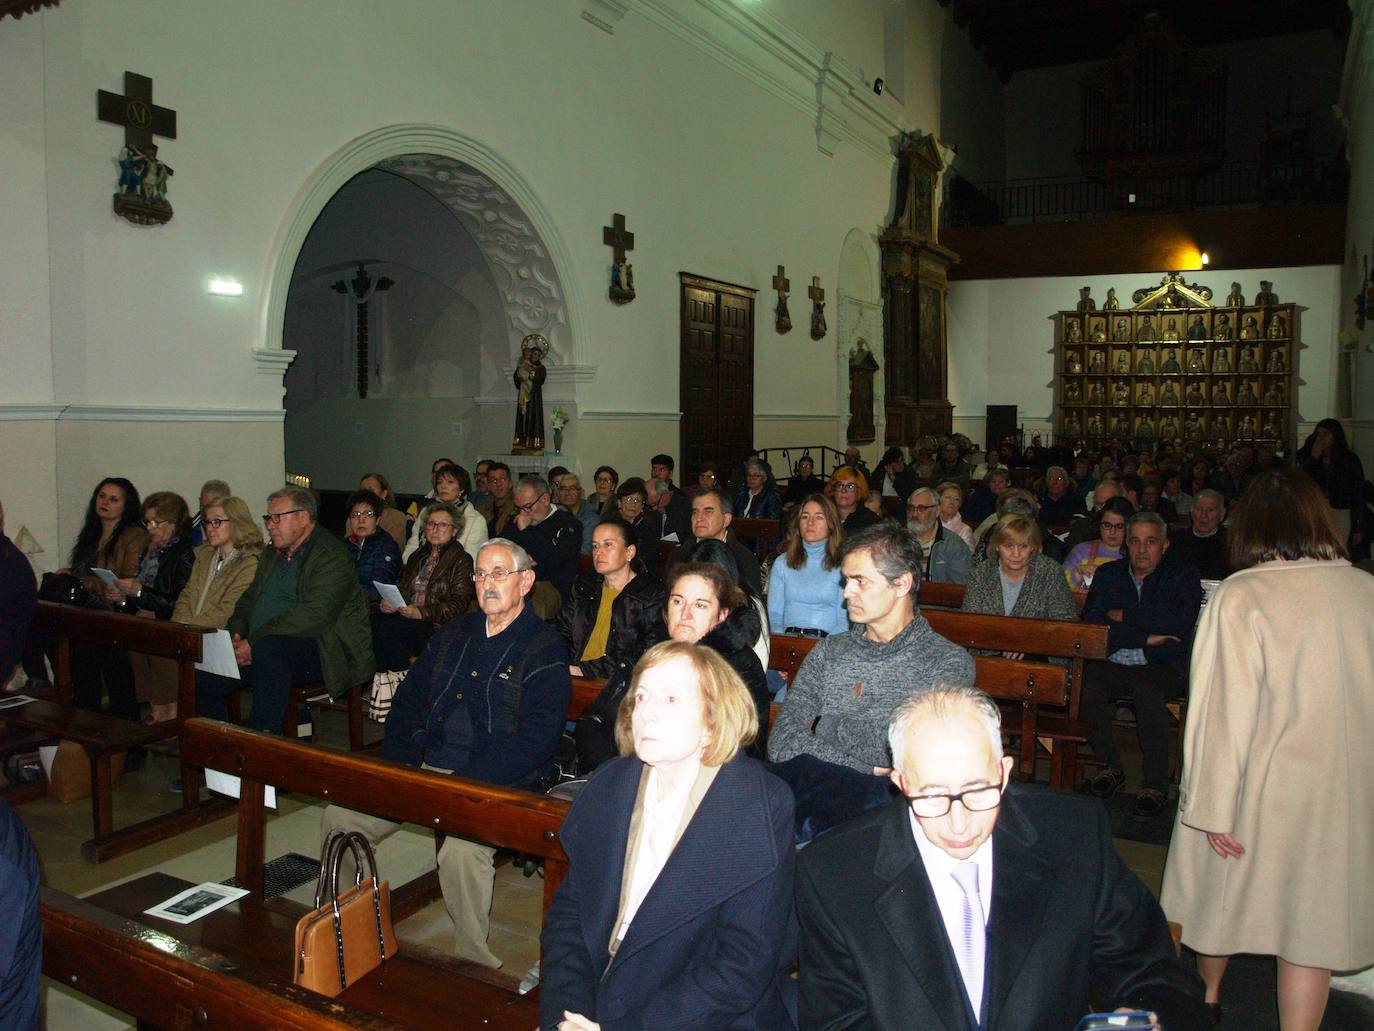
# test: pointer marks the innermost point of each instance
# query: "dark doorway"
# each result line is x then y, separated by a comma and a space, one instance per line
717, 374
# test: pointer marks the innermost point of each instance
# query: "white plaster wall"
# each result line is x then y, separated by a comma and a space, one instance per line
1001, 336
1302, 71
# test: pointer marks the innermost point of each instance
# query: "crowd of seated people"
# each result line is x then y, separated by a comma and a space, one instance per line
492, 593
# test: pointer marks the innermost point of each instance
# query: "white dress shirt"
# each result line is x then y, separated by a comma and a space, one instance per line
948, 895
657, 834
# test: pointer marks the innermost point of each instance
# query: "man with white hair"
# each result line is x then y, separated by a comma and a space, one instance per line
1204, 542
975, 902
487, 700
945, 556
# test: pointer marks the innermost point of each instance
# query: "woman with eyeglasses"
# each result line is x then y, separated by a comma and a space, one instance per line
376, 558
1082, 562
224, 567
437, 586
708, 478
392, 519
163, 571
632, 505
805, 595
451, 486
606, 480
677, 908
847, 489
951, 497
757, 497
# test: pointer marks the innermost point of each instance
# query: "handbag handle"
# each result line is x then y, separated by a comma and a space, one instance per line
327, 887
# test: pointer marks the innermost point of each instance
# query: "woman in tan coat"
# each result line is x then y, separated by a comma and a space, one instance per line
1274, 839
225, 565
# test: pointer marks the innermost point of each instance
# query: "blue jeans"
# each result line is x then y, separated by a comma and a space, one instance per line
278, 663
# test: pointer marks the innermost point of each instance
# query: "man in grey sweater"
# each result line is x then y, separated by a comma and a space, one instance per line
830, 737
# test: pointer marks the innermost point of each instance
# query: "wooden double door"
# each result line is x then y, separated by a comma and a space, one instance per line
716, 375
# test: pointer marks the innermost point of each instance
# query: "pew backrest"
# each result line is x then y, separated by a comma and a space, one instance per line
951, 596
787, 653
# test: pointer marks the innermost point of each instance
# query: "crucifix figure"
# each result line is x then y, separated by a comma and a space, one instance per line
141, 195
780, 284
615, 237
817, 296
362, 287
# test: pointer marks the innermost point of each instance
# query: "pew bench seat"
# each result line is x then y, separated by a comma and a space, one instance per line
412, 989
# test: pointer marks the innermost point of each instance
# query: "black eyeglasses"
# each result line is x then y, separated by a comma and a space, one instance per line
276, 517
214, 524
975, 800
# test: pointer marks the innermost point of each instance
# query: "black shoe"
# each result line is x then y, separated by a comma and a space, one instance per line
1149, 802
1107, 783
1213, 1012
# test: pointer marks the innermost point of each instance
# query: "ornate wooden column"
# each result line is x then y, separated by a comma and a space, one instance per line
915, 280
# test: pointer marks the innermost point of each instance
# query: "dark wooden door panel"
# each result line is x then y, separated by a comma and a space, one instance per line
717, 373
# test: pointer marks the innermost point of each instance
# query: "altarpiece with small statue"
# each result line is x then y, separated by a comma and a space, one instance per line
1177, 366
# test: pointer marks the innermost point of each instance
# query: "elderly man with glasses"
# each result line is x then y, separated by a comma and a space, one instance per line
553, 537
972, 901
946, 558
486, 700
573, 500
302, 619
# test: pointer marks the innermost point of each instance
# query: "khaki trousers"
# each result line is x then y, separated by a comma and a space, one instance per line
466, 877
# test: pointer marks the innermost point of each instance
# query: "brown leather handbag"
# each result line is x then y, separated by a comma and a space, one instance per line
347, 936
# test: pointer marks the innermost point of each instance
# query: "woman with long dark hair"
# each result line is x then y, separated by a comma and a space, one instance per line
805, 596
1327, 458
1274, 837
112, 537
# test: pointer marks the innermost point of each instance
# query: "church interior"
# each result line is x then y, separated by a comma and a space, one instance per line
889, 219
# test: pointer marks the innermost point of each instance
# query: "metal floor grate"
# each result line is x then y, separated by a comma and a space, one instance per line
285, 873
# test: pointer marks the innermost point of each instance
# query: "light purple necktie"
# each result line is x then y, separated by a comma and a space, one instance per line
972, 943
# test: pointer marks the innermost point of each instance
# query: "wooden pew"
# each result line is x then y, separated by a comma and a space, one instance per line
787, 653
951, 596
761, 535
102, 736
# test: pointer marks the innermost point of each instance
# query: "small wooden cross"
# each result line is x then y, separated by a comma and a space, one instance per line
814, 291
615, 237
781, 282
141, 118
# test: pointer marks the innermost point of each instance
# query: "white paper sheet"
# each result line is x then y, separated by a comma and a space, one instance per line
105, 575
217, 651
228, 784
391, 594
190, 905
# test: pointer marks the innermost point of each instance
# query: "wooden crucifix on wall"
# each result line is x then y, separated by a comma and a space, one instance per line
141, 192
817, 296
783, 322
362, 287
615, 237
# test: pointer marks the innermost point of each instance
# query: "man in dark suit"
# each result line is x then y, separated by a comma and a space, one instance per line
974, 903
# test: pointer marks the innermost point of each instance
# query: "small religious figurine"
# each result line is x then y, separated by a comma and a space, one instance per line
1192, 427
1266, 294
1143, 430
1221, 394
1085, 299
1224, 329
783, 320
1247, 395
1147, 331
1099, 333
1270, 431
1236, 299
1095, 395
1197, 329
1221, 429
1168, 428
1121, 394
1247, 361
1073, 364
1072, 395
1111, 303
1222, 363
1247, 428
1250, 330
1123, 364
1073, 331
1146, 363
1098, 362
1122, 331
1121, 427
1168, 397
529, 385
1170, 366
1146, 397
1273, 394
1194, 396
1276, 362
1196, 362
1071, 427
1171, 330
1278, 328
1095, 428
818, 326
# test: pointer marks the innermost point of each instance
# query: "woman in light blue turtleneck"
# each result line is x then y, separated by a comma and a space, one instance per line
805, 595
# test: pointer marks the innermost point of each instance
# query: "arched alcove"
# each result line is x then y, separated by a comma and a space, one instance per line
860, 318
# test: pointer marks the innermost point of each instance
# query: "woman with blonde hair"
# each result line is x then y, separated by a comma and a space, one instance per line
654, 926
1022, 581
805, 595
847, 489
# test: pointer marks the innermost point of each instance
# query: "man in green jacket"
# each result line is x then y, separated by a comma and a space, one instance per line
302, 620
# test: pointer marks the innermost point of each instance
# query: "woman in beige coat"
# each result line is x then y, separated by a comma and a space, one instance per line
1274, 840
225, 565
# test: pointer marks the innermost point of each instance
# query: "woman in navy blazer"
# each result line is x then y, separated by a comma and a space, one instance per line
677, 910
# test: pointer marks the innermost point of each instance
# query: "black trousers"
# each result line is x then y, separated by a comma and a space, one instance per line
98, 670
1152, 687
278, 662
395, 639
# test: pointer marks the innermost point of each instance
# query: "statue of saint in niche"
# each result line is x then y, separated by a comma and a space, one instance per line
1278, 328
1168, 397
1146, 363
1122, 330
1196, 361
1171, 329
1276, 362
1250, 329
1224, 329
1222, 362
529, 396
1170, 366
1247, 361
1197, 329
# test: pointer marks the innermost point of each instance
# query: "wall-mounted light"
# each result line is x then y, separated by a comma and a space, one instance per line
224, 288
1204, 259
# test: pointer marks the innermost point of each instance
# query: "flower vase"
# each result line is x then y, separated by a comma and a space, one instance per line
557, 442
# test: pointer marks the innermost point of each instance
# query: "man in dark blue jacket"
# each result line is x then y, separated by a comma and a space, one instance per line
1150, 601
487, 699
